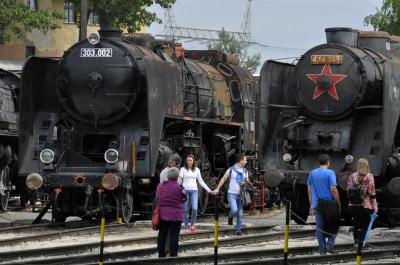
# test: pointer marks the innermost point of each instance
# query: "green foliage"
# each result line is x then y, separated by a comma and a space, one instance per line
17, 18
126, 14
230, 46
387, 18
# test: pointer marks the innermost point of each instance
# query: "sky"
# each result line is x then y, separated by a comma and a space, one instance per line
296, 25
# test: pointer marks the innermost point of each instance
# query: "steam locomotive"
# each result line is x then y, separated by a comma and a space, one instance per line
9, 86
341, 98
98, 124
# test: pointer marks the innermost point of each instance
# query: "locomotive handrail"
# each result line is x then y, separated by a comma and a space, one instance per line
369, 107
279, 106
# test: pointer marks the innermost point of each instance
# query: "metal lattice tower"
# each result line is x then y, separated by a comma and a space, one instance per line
245, 27
173, 32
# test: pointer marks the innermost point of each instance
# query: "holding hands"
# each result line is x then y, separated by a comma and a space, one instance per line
214, 192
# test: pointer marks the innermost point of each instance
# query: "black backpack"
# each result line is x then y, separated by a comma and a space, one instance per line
355, 192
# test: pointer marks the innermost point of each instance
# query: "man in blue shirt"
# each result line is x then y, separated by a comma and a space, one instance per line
322, 185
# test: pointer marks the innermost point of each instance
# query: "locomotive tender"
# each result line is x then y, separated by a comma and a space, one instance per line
98, 124
341, 98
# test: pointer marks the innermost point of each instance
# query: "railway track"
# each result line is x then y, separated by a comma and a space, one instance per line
267, 246
298, 255
251, 235
58, 234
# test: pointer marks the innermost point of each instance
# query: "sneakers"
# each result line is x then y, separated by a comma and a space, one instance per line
192, 229
238, 233
230, 221
331, 251
187, 230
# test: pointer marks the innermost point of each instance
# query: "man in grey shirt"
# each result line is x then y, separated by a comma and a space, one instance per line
174, 161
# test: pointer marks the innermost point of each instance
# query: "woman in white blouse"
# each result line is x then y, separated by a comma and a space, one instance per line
190, 174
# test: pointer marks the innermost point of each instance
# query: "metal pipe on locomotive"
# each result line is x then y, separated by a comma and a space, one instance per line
110, 112
341, 98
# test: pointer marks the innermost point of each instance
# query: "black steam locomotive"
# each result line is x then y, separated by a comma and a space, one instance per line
98, 124
9, 87
341, 98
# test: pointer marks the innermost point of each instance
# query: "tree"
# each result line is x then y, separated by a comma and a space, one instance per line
230, 46
17, 18
124, 14
387, 18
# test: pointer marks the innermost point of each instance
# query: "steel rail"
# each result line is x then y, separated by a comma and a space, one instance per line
269, 256
58, 234
254, 234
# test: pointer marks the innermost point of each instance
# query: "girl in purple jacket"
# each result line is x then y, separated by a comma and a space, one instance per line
170, 196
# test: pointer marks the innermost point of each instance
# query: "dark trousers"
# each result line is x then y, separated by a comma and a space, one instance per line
171, 228
361, 218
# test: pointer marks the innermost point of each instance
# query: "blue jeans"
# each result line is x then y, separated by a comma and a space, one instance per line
236, 206
322, 243
193, 198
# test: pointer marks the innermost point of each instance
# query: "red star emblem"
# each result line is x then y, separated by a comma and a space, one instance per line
327, 79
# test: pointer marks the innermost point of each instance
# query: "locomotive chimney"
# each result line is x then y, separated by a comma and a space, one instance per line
107, 29
344, 36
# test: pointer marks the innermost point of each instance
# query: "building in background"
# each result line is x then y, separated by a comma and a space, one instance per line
52, 44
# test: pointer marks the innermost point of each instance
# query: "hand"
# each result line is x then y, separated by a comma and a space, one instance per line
216, 191
312, 211
376, 210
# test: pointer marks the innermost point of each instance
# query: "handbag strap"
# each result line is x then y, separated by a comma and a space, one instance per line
312, 180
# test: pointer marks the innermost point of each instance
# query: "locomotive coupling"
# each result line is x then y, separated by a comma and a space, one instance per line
110, 181
34, 181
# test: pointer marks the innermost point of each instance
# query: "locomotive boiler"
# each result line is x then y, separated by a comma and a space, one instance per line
341, 98
98, 124
9, 87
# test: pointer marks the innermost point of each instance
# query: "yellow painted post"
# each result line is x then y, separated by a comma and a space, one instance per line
216, 231
286, 247
102, 228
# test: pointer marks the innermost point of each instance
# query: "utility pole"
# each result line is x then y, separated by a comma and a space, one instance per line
83, 21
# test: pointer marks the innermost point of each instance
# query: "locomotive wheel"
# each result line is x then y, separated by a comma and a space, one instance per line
127, 204
5, 187
203, 200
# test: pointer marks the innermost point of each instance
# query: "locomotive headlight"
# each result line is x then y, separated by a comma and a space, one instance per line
349, 159
94, 38
111, 156
110, 181
287, 157
46, 156
34, 181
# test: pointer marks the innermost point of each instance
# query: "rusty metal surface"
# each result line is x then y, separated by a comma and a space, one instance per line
221, 91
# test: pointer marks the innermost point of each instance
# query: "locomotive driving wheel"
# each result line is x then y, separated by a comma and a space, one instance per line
5, 188
127, 204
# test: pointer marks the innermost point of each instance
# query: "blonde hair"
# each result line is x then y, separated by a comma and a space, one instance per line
362, 167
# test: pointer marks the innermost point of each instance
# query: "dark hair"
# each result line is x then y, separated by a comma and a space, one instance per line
194, 162
240, 157
323, 159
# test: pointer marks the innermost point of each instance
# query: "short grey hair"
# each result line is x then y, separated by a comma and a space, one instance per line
173, 173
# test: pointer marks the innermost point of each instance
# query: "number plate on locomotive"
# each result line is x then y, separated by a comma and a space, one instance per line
326, 59
96, 52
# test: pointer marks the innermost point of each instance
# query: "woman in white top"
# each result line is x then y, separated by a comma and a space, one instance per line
190, 174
